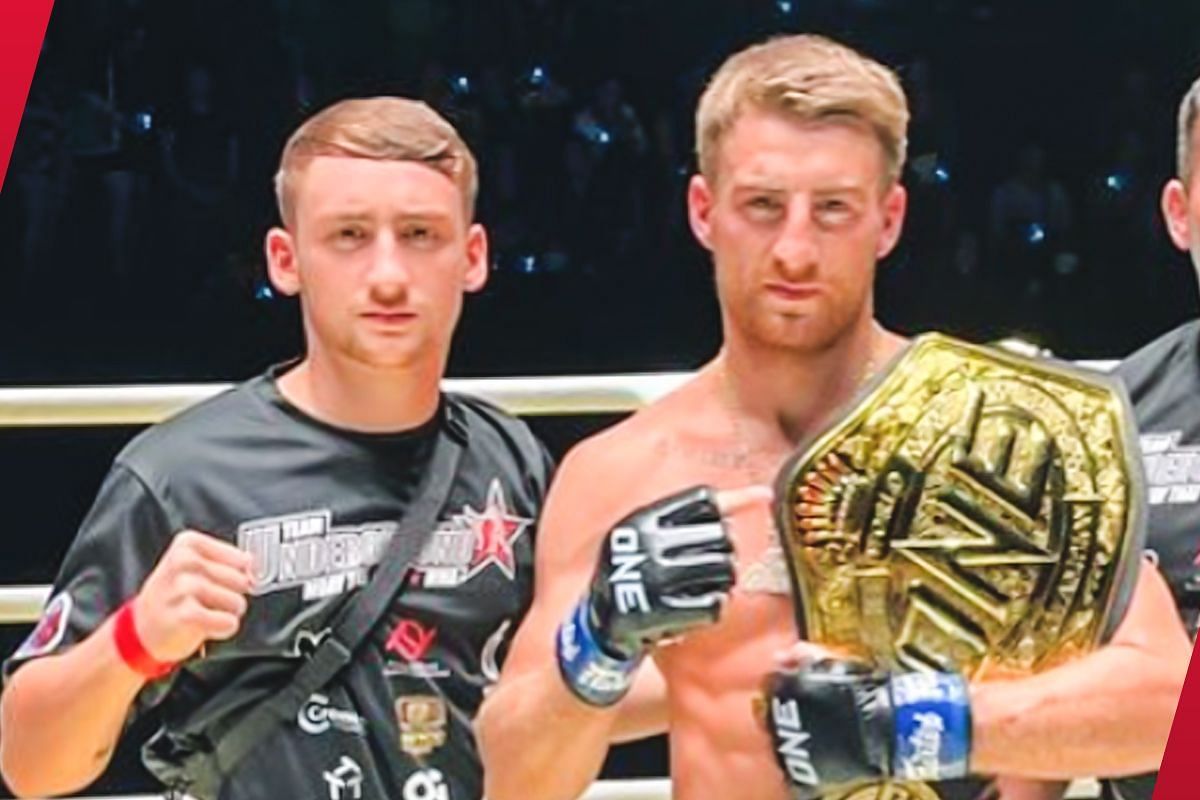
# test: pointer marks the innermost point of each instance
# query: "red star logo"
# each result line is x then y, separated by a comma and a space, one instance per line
495, 529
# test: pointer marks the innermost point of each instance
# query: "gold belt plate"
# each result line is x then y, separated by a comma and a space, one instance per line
974, 511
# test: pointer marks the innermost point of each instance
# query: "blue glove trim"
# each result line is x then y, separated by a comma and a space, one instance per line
932, 722
595, 677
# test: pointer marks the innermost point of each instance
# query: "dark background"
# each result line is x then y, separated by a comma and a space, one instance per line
133, 213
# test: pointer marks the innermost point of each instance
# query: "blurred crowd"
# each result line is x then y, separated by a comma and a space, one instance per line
140, 185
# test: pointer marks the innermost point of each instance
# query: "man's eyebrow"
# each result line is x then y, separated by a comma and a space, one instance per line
343, 216
422, 215
416, 215
758, 185
842, 187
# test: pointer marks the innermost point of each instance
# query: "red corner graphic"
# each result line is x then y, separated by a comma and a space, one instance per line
22, 29
1177, 778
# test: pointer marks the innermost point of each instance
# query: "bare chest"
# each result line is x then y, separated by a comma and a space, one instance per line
682, 461
758, 616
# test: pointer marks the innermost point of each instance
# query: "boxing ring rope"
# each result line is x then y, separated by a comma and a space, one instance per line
80, 406
138, 405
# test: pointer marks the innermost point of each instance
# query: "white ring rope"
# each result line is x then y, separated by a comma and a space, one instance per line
537, 396
22, 603
139, 405
146, 404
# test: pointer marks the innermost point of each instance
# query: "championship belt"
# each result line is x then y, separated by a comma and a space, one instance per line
974, 511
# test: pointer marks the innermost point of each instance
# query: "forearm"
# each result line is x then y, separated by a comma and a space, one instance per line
1108, 714
644, 711
61, 716
539, 741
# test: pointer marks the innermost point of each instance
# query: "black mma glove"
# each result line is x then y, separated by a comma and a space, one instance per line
839, 721
663, 570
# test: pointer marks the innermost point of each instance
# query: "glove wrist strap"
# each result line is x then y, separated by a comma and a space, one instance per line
594, 676
932, 724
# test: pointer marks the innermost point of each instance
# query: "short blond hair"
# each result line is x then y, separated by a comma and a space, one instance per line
1189, 111
381, 128
809, 78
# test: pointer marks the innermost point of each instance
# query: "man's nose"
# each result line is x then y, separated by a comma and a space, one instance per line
390, 273
795, 249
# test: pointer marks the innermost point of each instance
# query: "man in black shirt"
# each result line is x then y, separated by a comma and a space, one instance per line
224, 541
1163, 379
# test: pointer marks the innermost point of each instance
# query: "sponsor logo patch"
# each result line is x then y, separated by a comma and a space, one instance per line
345, 780
308, 551
426, 784
1172, 469
925, 745
422, 721
50, 629
409, 641
792, 742
318, 716
488, 665
469, 542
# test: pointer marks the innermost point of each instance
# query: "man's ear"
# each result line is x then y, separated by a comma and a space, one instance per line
282, 265
700, 200
477, 259
1175, 212
895, 206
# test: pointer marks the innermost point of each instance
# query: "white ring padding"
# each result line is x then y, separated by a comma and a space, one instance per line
140, 405
22, 603
656, 789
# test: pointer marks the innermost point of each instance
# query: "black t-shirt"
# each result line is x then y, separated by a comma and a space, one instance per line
1163, 380
316, 506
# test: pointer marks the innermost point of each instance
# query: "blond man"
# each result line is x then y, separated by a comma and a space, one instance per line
801, 143
226, 542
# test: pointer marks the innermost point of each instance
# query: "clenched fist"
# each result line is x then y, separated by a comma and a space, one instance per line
196, 593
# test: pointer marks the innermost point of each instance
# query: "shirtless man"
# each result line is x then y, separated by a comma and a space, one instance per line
801, 142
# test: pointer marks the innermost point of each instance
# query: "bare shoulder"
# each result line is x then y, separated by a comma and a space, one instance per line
641, 438
630, 462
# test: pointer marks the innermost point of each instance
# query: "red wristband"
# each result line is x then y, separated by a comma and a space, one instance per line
131, 649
